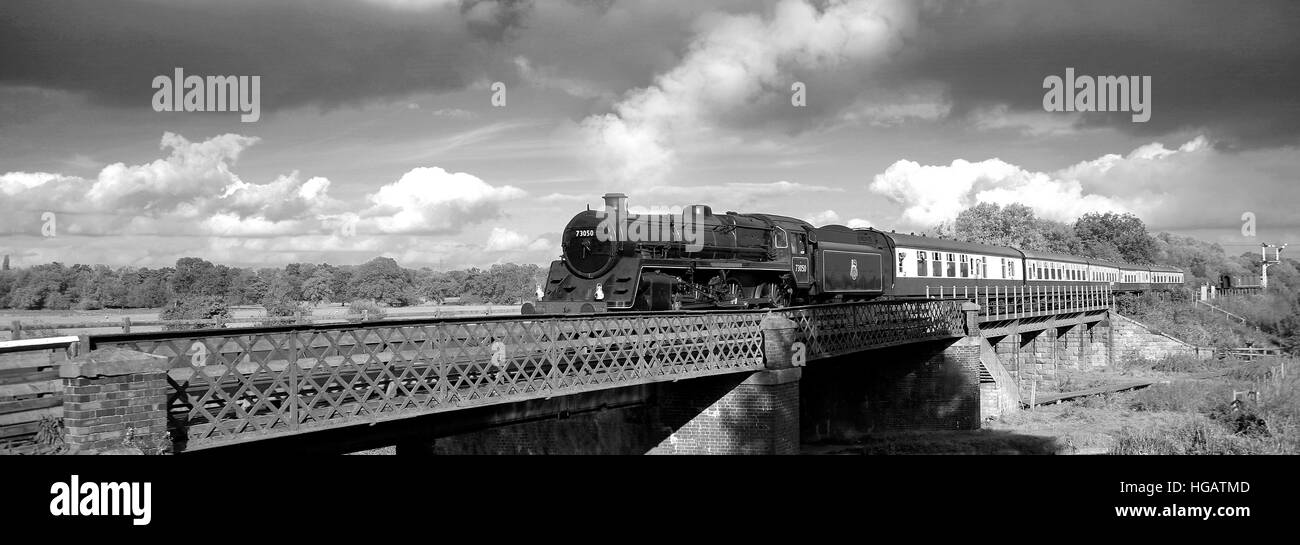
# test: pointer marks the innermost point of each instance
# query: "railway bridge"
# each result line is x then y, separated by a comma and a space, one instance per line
740, 381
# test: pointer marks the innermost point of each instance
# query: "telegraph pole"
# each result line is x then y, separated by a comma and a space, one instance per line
1264, 261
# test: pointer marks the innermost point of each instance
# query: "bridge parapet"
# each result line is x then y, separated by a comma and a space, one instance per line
1016, 302
834, 330
227, 386
235, 385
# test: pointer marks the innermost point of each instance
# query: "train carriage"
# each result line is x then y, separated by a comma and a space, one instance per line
1053, 269
1133, 277
924, 262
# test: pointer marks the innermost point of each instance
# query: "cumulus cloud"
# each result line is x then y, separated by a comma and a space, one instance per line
432, 200
195, 196
1139, 182
824, 218
734, 62
191, 190
505, 240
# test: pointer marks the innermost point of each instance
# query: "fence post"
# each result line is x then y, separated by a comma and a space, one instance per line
294, 418
16, 330
126, 324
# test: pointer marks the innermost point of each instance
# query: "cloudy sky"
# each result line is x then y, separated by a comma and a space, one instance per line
378, 134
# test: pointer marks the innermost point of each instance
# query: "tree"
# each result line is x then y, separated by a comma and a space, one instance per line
317, 289
381, 279
195, 276
194, 307
506, 283
1125, 231
341, 283
989, 223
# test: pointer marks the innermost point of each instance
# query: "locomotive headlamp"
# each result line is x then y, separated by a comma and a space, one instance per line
600, 292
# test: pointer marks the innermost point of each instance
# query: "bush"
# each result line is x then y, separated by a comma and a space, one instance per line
1200, 436
283, 311
195, 307
89, 304
1242, 418
373, 311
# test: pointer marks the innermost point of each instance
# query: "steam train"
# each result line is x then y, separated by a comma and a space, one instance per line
615, 260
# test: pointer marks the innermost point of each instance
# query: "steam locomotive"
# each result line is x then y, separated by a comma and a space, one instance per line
615, 260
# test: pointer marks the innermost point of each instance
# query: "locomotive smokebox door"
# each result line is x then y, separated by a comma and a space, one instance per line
656, 292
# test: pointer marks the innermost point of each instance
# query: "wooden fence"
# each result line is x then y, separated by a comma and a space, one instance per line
30, 389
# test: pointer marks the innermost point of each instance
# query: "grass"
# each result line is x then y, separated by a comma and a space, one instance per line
943, 442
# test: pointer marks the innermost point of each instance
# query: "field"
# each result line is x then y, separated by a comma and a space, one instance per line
44, 323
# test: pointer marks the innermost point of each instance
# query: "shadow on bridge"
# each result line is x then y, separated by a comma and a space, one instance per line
920, 387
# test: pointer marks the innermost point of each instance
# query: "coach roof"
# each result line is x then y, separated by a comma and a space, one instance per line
943, 244
1053, 256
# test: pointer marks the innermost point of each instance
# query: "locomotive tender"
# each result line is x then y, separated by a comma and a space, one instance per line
615, 260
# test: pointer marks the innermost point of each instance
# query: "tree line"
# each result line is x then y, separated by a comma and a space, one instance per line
1113, 237
56, 286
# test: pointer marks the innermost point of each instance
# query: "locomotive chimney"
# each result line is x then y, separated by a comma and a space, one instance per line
616, 204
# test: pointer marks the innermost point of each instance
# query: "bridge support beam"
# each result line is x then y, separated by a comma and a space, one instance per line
758, 415
115, 400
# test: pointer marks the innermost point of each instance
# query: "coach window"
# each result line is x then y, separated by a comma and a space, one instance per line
965, 266
778, 238
936, 264
952, 266
920, 264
